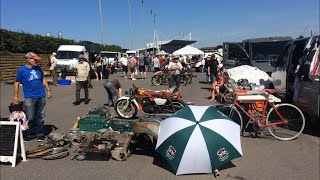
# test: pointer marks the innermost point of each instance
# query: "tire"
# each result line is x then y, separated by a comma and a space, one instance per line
129, 113
189, 78
233, 113
183, 80
290, 130
156, 80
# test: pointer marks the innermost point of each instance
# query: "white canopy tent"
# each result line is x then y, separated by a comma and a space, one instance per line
188, 50
162, 52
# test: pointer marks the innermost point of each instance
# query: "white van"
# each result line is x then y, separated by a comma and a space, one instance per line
131, 53
67, 57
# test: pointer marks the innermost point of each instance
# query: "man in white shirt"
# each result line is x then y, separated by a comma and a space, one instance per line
175, 67
53, 69
124, 63
156, 64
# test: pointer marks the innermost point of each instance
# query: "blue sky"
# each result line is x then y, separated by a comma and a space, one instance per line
211, 22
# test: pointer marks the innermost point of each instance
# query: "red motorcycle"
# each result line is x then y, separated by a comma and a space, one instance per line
159, 103
163, 76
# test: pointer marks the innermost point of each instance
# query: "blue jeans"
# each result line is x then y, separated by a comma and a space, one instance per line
112, 93
35, 108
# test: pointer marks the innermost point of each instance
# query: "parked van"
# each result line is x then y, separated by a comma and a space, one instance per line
257, 52
132, 53
67, 57
283, 77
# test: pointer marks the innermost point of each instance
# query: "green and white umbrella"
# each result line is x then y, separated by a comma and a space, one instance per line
198, 139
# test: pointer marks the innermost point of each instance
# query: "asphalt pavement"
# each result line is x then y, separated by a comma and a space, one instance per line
264, 157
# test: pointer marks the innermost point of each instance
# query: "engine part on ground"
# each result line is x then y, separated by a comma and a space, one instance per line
123, 149
40, 148
151, 128
40, 153
99, 111
58, 139
53, 156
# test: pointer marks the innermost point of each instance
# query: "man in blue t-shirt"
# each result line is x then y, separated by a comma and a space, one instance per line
31, 77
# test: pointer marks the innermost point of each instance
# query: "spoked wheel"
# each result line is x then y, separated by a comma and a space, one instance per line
156, 80
233, 113
184, 80
127, 113
285, 130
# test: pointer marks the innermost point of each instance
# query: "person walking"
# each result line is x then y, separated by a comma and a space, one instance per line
212, 73
53, 69
132, 65
114, 91
175, 67
124, 63
82, 80
149, 63
156, 64
98, 65
142, 67
34, 85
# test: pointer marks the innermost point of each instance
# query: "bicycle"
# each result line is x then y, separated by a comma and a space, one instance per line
283, 121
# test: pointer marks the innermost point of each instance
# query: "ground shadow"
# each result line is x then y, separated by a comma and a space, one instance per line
158, 160
203, 82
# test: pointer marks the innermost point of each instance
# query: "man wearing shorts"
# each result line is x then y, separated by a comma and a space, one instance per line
124, 62
142, 67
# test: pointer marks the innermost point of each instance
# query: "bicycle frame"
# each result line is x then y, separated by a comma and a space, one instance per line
260, 122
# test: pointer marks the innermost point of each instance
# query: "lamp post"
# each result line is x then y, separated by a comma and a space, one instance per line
101, 22
130, 24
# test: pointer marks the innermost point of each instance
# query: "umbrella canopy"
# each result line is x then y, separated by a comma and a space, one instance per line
188, 50
198, 139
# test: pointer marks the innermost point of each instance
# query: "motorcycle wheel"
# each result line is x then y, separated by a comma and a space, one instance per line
156, 80
128, 113
189, 78
184, 80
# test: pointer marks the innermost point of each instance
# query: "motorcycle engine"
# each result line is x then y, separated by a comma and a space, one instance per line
148, 106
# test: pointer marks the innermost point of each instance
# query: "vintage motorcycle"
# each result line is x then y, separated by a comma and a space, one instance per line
163, 76
159, 103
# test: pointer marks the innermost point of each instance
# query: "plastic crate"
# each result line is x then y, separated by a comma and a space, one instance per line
64, 82
93, 123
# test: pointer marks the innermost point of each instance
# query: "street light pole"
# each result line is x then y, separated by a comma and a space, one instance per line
101, 22
130, 24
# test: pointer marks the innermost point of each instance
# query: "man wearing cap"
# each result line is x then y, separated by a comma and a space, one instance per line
53, 69
175, 67
83, 69
32, 79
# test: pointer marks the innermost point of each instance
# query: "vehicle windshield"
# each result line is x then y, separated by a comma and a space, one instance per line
67, 54
267, 50
108, 55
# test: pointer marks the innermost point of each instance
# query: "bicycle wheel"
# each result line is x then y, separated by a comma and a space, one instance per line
233, 113
286, 131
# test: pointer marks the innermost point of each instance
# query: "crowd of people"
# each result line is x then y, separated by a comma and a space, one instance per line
35, 85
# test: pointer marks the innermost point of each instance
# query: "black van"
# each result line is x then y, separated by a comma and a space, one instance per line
283, 77
257, 52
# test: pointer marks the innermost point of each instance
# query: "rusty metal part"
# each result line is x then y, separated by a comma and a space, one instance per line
39, 154
151, 128
123, 149
52, 156
40, 148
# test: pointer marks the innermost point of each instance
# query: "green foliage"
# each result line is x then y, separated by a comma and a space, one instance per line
21, 42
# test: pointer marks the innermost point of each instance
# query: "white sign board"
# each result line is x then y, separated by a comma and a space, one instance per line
10, 137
